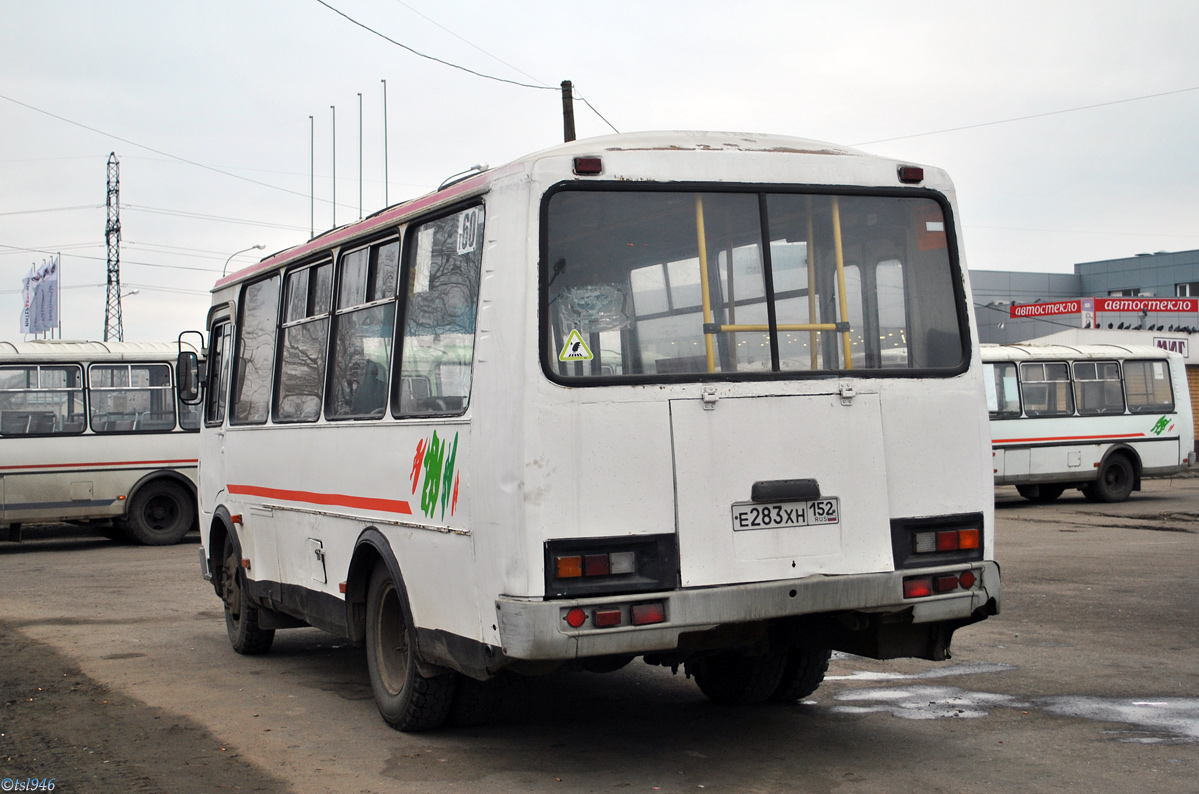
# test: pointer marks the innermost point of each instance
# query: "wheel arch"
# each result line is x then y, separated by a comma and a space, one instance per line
220, 529
1133, 458
160, 475
371, 548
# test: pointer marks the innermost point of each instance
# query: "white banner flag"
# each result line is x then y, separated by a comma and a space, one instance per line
46, 297
27, 289
39, 291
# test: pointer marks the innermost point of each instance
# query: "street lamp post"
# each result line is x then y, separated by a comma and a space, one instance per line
225, 269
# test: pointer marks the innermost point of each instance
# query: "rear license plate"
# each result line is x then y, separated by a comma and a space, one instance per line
782, 515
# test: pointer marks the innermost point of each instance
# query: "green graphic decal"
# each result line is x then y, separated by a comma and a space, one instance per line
1161, 425
440, 483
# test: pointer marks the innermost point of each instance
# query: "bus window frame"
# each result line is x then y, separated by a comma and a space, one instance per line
761, 191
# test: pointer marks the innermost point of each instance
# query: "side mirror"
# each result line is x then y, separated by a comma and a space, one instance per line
187, 373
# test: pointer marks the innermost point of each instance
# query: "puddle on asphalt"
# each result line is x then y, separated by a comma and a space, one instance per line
1152, 721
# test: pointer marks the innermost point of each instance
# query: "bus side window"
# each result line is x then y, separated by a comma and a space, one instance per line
363, 330
1097, 387
131, 398
1046, 389
1003, 398
255, 353
307, 302
218, 375
439, 314
1148, 385
41, 400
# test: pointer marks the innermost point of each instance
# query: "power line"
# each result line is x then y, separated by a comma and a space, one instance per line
151, 148
485, 76
385, 37
54, 209
1026, 118
201, 216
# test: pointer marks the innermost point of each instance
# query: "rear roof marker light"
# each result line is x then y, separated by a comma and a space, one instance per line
911, 174
588, 166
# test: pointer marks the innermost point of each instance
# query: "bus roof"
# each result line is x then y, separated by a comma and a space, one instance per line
1032, 352
76, 350
683, 143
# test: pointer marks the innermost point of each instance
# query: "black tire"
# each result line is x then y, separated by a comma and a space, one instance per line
241, 616
802, 674
1115, 481
475, 702
408, 700
732, 678
1040, 493
160, 514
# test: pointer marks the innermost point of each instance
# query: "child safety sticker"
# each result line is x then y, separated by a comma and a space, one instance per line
575, 348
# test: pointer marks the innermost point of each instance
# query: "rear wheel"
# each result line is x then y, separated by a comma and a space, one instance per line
1114, 483
241, 616
733, 678
1040, 493
408, 700
802, 674
160, 514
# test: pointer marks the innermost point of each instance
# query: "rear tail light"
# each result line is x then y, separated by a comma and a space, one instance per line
937, 540
922, 586
609, 566
605, 618
644, 614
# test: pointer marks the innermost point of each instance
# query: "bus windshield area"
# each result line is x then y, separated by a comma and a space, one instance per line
648, 283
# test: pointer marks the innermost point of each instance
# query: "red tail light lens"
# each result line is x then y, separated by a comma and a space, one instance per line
604, 618
588, 166
918, 587
643, 614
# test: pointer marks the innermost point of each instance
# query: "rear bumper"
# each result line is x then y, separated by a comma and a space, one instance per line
536, 629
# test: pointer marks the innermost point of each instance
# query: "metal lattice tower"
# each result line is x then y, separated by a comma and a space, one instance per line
112, 235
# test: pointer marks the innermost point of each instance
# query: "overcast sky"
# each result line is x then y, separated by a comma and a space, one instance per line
206, 105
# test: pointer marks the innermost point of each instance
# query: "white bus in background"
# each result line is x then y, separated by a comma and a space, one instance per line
706, 399
1093, 417
93, 432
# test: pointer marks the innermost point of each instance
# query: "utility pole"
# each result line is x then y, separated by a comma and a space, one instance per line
359, 155
113, 330
311, 177
385, 201
568, 112
334, 109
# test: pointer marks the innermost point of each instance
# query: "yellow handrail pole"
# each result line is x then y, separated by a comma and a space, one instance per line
703, 278
811, 256
841, 280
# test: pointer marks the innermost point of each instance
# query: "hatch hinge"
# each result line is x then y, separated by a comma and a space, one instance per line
847, 393
710, 398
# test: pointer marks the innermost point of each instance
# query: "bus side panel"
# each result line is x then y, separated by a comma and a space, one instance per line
86, 476
409, 486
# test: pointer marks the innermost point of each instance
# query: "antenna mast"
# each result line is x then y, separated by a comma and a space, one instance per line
112, 235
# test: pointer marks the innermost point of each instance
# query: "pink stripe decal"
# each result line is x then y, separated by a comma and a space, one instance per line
102, 464
325, 499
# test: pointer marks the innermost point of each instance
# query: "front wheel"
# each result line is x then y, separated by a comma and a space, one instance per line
1114, 483
407, 699
160, 514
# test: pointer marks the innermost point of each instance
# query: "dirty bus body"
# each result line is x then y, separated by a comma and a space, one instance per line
1093, 417
92, 432
707, 399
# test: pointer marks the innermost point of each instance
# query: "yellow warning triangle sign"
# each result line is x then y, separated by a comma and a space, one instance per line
575, 349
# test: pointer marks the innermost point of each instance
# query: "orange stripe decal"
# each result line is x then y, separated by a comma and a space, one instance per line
1067, 438
103, 463
325, 499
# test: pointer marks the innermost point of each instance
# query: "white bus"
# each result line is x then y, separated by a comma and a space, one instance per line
711, 400
93, 432
1093, 417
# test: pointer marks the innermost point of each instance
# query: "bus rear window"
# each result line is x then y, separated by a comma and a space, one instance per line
639, 284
